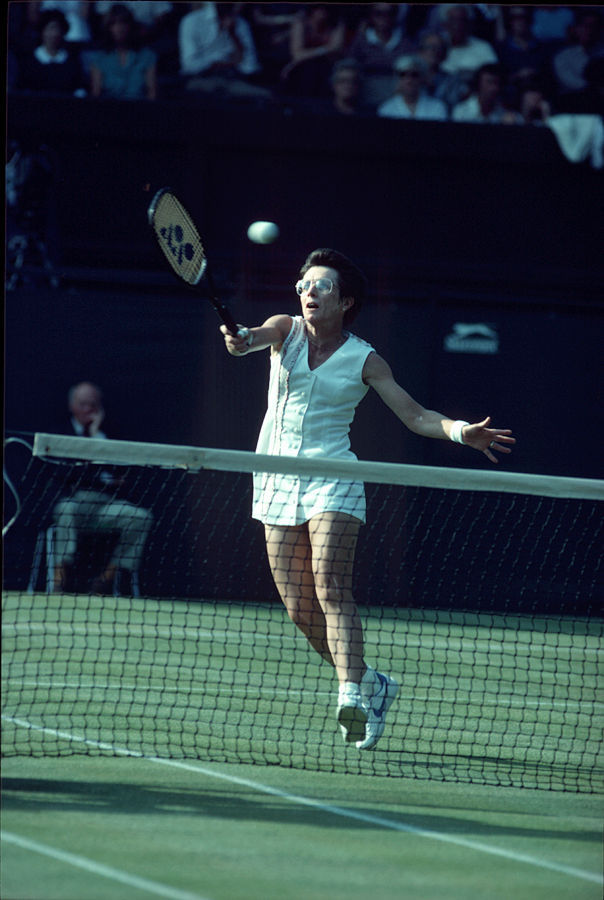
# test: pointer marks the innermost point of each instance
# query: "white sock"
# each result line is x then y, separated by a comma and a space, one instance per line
348, 687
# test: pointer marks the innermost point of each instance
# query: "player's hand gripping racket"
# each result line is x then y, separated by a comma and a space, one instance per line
181, 244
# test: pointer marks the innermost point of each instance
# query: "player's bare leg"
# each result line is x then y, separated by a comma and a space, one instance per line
312, 567
290, 558
333, 538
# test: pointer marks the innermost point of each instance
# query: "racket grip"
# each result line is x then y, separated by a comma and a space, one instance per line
227, 318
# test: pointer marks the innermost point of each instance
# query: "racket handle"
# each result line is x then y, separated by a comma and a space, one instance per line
226, 317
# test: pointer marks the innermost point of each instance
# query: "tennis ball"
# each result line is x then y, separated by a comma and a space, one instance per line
263, 232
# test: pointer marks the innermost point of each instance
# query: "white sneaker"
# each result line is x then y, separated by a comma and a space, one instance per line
377, 705
352, 713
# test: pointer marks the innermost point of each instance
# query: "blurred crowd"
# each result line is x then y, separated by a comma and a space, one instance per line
460, 62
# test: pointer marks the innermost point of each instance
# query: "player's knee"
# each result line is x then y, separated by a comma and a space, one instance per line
331, 591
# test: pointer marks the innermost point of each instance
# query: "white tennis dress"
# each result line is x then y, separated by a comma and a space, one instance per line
309, 414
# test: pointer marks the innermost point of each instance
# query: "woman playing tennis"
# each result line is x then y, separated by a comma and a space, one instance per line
319, 374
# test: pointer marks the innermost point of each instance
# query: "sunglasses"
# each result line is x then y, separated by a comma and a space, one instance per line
323, 286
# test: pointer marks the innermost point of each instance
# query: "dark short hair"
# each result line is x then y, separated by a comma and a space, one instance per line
53, 15
119, 12
488, 69
509, 13
352, 282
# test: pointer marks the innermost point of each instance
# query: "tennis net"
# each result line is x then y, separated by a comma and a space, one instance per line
478, 591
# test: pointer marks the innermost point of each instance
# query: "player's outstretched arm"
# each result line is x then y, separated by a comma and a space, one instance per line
428, 422
271, 333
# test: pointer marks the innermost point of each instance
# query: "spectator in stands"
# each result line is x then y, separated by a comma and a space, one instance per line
379, 42
465, 53
157, 28
77, 14
346, 93
445, 86
95, 503
534, 104
520, 54
52, 67
484, 103
317, 38
589, 101
218, 54
584, 44
151, 16
271, 26
347, 89
432, 50
122, 68
411, 100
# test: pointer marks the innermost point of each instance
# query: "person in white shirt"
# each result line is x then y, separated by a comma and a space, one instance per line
320, 372
585, 44
411, 100
217, 51
484, 103
379, 41
466, 53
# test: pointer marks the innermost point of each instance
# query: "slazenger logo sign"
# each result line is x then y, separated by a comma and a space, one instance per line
472, 338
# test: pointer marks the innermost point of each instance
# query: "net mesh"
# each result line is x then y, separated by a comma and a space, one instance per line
482, 602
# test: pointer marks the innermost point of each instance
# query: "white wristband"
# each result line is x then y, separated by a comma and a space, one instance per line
456, 429
247, 334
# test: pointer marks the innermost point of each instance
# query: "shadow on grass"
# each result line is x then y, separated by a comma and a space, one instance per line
107, 797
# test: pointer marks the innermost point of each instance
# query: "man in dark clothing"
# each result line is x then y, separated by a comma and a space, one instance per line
94, 503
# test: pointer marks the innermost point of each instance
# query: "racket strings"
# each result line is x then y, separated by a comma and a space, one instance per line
179, 239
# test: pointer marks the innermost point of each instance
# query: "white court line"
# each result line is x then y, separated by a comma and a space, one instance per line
427, 642
188, 632
89, 865
341, 811
584, 707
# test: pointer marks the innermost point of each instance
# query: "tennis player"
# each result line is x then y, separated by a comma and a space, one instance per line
319, 374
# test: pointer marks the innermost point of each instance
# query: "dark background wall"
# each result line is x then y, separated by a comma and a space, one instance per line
453, 223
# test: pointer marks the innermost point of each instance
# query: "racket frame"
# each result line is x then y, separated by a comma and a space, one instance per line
204, 270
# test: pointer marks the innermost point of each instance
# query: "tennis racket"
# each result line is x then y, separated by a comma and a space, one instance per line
181, 245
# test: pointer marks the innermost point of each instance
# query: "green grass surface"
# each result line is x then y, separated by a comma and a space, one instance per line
483, 699
232, 832
190, 751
